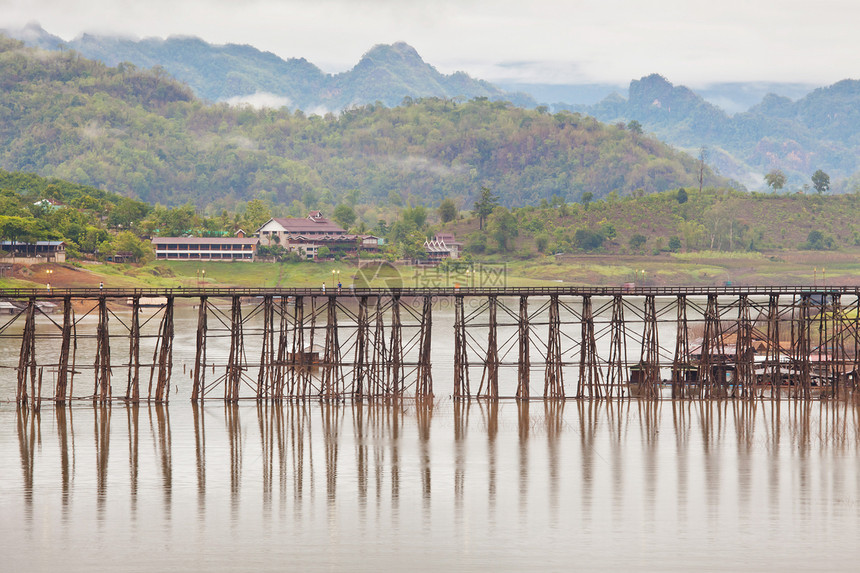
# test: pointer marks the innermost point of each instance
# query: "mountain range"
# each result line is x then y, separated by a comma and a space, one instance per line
818, 129
237, 73
143, 134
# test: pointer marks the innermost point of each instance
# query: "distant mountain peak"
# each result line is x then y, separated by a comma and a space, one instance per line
397, 54
398, 49
386, 73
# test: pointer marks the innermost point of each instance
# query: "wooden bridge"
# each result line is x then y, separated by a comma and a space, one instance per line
551, 343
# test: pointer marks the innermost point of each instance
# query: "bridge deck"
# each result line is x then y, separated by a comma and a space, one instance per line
192, 292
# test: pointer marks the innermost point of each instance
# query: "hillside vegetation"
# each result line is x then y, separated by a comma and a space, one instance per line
146, 136
818, 131
715, 220
675, 237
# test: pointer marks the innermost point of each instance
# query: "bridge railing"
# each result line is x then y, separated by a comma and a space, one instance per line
190, 292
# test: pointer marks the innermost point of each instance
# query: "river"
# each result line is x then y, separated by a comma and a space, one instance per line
441, 485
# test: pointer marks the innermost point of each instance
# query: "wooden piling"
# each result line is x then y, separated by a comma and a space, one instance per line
132, 389
198, 387
27, 358
62, 389
681, 362
649, 360
424, 387
236, 360
523, 362
589, 383
617, 367
461, 354
395, 349
163, 358
332, 373
489, 387
553, 375
102, 366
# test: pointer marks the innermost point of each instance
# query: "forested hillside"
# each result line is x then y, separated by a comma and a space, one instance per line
720, 220
144, 135
818, 131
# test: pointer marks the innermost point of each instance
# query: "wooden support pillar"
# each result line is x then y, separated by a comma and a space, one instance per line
834, 340
236, 358
855, 339
744, 376
27, 358
800, 349
332, 378
164, 353
395, 362
299, 372
379, 356
132, 389
361, 362
61, 392
282, 355
489, 387
681, 362
102, 368
267, 354
461, 352
198, 389
523, 364
650, 356
589, 384
424, 388
712, 374
773, 371
553, 376
617, 371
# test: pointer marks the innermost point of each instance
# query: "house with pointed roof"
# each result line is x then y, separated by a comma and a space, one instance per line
443, 246
307, 235
314, 227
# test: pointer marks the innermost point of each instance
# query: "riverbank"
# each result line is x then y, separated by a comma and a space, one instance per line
671, 269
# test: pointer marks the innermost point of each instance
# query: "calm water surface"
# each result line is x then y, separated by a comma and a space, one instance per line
480, 486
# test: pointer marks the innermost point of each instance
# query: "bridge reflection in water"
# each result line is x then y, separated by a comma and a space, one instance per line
278, 344
243, 480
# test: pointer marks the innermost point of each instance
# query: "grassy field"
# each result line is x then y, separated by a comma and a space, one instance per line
695, 269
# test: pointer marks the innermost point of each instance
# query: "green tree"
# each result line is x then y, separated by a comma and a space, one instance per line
635, 127
588, 240
256, 214
818, 241
674, 243
608, 231
502, 226
775, 179
447, 210
681, 196
344, 215
703, 158
485, 205
586, 198
417, 216
637, 241
821, 182
128, 242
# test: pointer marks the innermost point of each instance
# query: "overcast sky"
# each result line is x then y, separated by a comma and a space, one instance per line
691, 42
